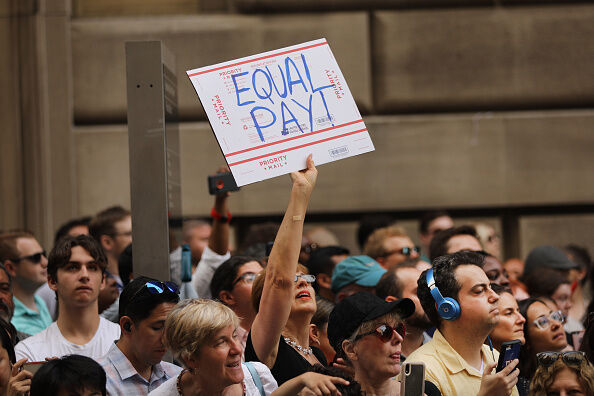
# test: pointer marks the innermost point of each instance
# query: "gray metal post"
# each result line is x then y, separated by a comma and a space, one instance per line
154, 154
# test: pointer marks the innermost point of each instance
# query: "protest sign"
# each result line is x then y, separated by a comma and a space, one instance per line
269, 111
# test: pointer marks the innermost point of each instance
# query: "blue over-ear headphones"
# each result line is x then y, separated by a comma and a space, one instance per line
447, 307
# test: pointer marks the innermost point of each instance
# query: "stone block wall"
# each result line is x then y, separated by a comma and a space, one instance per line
482, 107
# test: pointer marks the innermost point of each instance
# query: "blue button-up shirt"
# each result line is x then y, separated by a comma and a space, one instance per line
123, 379
27, 320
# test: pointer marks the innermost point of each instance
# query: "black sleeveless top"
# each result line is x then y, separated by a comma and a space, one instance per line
289, 363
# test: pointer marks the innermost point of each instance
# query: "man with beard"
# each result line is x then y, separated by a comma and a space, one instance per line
401, 282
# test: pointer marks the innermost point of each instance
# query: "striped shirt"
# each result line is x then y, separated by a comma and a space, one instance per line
123, 379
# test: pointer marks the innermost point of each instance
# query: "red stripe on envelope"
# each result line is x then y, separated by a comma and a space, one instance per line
298, 147
257, 59
293, 138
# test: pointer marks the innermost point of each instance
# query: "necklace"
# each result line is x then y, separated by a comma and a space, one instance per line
303, 350
178, 383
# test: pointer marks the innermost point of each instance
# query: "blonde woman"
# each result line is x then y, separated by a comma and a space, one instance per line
202, 334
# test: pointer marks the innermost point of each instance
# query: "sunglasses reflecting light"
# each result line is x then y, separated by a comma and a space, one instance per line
306, 277
386, 332
572, 358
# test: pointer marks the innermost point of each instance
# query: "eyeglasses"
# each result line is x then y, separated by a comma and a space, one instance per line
247, 278
407, 251
385, 332
310, 247
306, 277
543, 322
572, 358
34, 258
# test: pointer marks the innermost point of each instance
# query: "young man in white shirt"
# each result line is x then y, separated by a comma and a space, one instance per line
75, 269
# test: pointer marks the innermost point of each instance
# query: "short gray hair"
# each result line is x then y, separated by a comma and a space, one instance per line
192, 323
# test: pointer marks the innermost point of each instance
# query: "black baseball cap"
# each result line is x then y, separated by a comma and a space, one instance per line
358, 308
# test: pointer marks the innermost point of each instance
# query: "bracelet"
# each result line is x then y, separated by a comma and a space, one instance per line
217, 216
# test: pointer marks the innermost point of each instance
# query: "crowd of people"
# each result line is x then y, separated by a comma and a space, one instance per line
293, 313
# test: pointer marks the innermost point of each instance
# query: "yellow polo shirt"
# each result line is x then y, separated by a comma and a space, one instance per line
445, 368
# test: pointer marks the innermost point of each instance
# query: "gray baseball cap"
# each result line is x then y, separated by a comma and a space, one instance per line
548, 257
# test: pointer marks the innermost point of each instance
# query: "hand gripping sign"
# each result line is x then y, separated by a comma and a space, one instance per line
269, 111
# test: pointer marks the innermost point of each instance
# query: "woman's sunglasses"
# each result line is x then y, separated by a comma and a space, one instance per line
572, 358
385, 332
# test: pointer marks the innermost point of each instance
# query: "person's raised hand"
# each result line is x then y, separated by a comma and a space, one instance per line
306, 179
501, 383
20, 380
320, 384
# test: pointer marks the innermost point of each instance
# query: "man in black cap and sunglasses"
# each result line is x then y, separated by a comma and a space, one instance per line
25, 260
133, 365
76, 273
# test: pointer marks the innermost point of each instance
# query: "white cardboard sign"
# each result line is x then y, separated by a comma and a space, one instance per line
270, 111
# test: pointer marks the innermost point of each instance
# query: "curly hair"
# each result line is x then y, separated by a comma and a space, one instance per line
544, 377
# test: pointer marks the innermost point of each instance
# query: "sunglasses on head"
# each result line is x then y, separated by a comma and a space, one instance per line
157, 287
572, 358
34, 258
385, 332
543, 322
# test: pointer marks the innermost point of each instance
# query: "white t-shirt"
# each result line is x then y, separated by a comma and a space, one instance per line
50, 342
209, 262
269, 384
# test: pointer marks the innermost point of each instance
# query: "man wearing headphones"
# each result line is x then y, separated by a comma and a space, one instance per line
457, 298
133, 365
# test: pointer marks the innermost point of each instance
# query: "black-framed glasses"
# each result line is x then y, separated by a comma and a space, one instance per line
247, 278
306, 277
34, 258
386, 332
406, 251
543, 322
572, 358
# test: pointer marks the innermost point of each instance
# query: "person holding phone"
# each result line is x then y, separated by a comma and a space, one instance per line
369, 331
457, 297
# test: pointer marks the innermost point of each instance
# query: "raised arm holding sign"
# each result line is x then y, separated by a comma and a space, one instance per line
269, 111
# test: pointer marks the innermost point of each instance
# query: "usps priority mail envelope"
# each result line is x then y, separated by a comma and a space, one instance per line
270, 111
